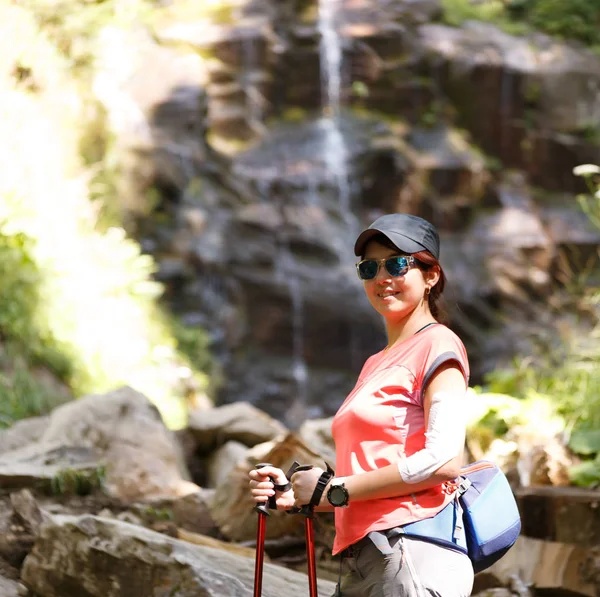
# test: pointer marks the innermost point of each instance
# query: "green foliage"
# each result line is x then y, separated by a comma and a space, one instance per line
586, 473
193, 342
572, 19
568, 376
72, 26
71, 481
575, 19
20, 300
586, 441
22, 395
456, 12
76, 295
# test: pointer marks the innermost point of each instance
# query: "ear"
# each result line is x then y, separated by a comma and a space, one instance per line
432, 276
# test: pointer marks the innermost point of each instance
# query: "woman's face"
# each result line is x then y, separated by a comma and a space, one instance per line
394, 298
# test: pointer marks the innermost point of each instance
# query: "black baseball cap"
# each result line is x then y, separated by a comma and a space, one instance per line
410, 234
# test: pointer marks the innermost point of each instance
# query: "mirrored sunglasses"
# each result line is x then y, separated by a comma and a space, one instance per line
368, 269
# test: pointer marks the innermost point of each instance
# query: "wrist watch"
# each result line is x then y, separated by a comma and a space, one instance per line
337, 494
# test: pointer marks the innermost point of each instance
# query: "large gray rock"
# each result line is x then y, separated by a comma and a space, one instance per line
222, 461
98, 557
240, 422
316, 434
121, 432
22, 433
51, 467
11, 588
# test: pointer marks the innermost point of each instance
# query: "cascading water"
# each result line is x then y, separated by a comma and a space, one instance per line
255, 101
286, 274
334, 147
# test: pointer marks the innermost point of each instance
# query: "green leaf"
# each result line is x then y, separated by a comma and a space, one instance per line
585, 442
586, 474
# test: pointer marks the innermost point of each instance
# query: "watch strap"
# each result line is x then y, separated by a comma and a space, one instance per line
315, 500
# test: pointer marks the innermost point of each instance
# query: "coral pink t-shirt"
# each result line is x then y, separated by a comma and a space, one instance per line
383, 419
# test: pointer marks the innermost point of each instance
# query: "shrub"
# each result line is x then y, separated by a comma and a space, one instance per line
76, 296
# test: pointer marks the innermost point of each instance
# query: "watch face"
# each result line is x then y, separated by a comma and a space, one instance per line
337, 496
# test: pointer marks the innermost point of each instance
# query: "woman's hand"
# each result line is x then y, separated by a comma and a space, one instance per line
304, 484
261, 487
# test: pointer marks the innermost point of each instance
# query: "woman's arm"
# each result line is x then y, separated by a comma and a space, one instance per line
387, 481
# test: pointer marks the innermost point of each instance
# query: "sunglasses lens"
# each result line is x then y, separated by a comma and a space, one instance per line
367, 269
396, 266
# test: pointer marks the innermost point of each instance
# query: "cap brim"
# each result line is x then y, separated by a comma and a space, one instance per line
405, 244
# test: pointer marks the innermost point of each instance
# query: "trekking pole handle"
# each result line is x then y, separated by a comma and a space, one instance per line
307, 509
271, 502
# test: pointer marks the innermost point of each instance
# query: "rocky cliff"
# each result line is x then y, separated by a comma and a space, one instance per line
255, 145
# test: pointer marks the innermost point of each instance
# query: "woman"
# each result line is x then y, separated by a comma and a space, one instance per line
400, 433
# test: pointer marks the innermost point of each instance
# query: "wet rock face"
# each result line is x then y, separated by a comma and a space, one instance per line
256, 247
529, 101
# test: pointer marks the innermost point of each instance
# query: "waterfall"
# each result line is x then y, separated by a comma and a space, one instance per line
330, 54
255, 101
334, 146
286, 274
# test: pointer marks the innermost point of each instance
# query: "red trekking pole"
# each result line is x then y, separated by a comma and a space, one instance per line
308, 512
263, 512
309, 533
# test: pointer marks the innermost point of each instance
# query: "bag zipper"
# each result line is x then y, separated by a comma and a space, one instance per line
477, 466
449, 487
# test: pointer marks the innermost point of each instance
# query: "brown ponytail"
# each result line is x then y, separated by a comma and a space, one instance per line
427, 261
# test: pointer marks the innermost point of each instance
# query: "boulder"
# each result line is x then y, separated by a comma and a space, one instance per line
18, 530
192, 513
222, 461
240, 422
98, 557
117, 439
239, 68
11, 588
232, 507
453, 175
22, 433
550, 566
51, 467
316, 434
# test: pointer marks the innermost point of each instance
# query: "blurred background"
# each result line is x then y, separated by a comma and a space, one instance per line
182, 183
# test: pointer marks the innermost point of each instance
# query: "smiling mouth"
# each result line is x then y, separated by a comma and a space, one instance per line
386, 294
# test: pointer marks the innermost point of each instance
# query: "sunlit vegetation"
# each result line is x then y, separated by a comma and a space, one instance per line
567, 377
572, 20
77, 296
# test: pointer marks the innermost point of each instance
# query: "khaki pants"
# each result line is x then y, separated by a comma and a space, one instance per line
415, 568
